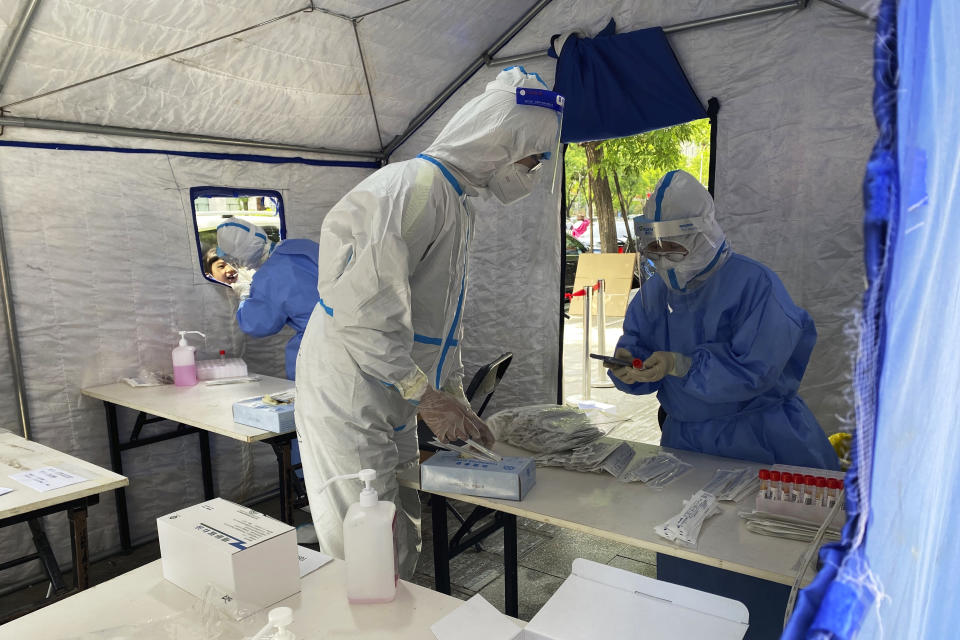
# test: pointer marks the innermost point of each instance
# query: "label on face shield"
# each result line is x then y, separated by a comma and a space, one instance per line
540, 98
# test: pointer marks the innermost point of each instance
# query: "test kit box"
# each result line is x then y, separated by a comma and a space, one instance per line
241, 551
254, 412
447, 472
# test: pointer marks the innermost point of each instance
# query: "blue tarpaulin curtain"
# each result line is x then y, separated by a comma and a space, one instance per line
619, 85
906, 473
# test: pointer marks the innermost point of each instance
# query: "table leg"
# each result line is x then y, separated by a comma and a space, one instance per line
116, 464
78, 543
511, 588
281, 447
47, 557
441, 544
206, 468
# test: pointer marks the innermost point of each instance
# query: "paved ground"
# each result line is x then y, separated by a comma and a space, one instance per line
545, 551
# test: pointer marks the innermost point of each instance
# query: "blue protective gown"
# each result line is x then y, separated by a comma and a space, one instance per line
283, 291
749, 346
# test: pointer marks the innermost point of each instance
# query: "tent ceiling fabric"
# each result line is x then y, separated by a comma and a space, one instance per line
299, 80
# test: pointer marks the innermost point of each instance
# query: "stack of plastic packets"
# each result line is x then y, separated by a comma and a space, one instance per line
656, 471
732, 485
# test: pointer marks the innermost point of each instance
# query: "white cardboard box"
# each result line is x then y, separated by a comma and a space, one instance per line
447, 472
241, 551
599, 602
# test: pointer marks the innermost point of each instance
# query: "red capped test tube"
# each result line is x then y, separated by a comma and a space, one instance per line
810, 484
820, 497
786, 487
774, 485
832, 486
764, 475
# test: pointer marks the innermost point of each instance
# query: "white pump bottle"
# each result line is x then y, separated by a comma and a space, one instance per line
185, 361
369, 545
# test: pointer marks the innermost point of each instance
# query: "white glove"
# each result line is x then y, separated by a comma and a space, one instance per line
241, 288
449, 419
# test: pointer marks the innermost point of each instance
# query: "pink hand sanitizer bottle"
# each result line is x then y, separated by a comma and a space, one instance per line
185, 362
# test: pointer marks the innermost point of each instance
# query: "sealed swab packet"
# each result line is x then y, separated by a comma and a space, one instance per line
685, 527
733, 484
656, 471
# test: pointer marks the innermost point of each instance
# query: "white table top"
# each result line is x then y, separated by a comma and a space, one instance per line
320, 610
18, 455
601, 505
207, 408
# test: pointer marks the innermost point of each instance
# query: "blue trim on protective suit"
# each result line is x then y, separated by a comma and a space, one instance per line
450, 342
417, 337
534, 74
329, 310
661, 192
673, 278
446, 173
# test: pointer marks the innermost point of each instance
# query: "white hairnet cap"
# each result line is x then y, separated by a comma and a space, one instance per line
492, 130
682, 211
244, 242
679, 196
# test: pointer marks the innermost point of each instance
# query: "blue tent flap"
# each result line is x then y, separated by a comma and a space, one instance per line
619, 85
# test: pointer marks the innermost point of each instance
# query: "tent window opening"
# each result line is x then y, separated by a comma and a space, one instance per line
250, 221
610, 181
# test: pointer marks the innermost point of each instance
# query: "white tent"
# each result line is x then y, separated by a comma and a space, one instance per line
99, 246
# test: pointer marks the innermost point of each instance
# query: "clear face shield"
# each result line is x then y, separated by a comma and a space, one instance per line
547, 100
665, 246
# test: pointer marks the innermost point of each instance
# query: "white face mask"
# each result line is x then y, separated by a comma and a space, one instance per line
512, 182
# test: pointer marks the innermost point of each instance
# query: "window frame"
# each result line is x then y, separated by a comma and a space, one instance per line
229, 192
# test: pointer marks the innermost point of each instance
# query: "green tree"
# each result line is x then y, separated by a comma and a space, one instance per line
624, 170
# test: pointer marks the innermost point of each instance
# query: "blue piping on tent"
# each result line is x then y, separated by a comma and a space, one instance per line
236, 157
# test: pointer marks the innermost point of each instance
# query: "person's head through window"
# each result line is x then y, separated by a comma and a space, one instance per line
218, 268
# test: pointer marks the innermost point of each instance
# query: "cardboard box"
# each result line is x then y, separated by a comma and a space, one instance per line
254, 412
616, 270
241, 551
447, 472
599, 602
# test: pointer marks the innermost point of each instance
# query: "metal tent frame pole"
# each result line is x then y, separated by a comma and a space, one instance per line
465, 75
20, 24
80, 127
13, 338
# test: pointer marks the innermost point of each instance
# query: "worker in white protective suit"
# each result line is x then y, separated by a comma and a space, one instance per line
383, 341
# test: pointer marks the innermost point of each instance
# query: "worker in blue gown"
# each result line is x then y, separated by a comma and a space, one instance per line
724, 347
283, 287
282, 290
